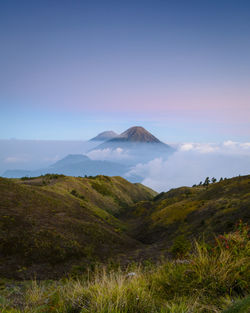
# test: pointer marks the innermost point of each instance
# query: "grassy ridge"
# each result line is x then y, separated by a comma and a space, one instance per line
212, 279
190, 212
54, 225
53, 220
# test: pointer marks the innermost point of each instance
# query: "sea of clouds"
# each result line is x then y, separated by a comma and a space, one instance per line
188, 165
193, 162
108, 154
35, 154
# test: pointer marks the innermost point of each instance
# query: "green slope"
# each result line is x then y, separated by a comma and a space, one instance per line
48, 223
51, 223
192, 211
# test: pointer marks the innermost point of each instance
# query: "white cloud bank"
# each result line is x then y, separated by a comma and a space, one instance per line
35, 154
190, 164
193, 162
107, 154
227, 147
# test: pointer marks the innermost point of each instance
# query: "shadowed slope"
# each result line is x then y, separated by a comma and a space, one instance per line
192, 212
48, 223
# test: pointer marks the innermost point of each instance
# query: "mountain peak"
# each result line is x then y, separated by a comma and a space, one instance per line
136, 134
106, 135
71, 159
139, 142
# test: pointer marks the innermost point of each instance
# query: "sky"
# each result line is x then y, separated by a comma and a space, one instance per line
71, 69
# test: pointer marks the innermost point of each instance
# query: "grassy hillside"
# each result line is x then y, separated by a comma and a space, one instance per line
191, 212
81, 228
49, 223
54, 224
213, 279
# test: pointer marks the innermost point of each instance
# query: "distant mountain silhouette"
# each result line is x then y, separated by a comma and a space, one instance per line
104, 136
71, 159
74, 165
136, 144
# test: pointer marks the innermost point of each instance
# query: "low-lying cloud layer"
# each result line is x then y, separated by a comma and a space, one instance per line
226, 147
35, 154
108, 154
192, 163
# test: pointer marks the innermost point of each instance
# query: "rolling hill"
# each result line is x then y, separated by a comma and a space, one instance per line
52, 223
192, 212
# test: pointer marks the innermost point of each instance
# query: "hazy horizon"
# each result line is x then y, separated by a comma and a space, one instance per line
190, 164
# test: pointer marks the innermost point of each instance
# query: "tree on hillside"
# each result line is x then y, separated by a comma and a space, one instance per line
206, 182
214, 180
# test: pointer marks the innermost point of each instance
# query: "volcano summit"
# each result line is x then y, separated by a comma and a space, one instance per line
138, 144
136, 136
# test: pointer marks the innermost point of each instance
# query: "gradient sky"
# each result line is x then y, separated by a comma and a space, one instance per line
71, 69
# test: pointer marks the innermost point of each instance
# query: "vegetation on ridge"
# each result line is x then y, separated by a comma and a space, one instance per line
192, 212
87, 233
51, 222
211, 279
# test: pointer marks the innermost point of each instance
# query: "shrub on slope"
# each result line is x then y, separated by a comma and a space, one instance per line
209, 282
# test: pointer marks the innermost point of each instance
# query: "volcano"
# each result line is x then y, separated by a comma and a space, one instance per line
138, 144
133, 137
136, 134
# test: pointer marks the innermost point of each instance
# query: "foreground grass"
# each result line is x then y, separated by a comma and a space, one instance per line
211, 279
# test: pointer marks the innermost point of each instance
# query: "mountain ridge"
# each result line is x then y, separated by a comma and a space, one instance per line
105, 135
